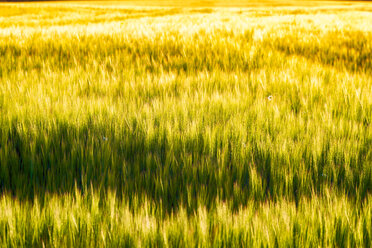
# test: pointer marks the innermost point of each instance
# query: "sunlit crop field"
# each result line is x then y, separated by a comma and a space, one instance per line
218, 124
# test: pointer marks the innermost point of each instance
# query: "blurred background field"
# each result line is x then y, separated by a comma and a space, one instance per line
175, 125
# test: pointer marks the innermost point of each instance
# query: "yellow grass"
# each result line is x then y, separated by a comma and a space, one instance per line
186, 123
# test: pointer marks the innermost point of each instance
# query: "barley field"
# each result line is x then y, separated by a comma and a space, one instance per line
186, 124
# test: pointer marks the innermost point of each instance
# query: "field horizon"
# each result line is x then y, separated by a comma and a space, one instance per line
202, 3
210, 125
